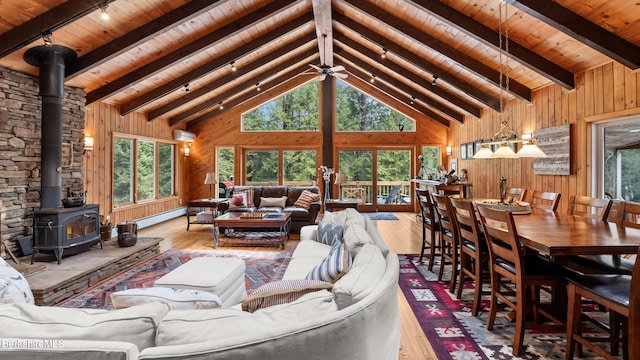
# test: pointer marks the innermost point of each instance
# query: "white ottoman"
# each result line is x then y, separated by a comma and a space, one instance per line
221, 276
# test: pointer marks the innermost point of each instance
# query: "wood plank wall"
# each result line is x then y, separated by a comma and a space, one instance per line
605, 92
102, 121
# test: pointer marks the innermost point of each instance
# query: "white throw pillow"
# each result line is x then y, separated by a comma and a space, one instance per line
355, 237
280, 202
177, 299
14, 287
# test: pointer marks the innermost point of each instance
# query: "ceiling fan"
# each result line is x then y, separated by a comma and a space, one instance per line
325, 71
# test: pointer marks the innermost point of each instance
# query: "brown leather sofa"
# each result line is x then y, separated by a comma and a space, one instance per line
299, 216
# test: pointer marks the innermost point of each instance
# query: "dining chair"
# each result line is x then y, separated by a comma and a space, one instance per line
430, 224
544, 200
615, 214
589, 207
449, 244
474, 254
517, 194
516, 278
618, 293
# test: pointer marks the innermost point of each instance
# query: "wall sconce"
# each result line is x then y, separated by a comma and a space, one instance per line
186, 151
88, 144
447, 150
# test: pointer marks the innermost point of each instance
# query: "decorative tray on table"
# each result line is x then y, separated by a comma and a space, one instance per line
253, 215
516, 207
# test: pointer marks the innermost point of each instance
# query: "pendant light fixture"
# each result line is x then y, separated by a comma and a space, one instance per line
506, 137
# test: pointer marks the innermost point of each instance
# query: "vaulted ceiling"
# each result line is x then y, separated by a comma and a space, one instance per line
173, 59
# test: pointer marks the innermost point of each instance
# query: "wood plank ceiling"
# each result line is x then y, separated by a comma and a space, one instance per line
173, 59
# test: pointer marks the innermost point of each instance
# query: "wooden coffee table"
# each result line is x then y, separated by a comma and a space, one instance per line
280, 221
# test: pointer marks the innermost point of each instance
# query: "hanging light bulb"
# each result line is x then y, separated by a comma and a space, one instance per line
104, 15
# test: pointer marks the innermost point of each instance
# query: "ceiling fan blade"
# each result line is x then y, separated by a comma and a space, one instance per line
340, 75
337, 68
323, 76
315, 67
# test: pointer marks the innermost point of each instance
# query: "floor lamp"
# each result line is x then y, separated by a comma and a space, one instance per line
210, 179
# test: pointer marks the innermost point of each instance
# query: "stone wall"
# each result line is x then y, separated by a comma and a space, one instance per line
20, 134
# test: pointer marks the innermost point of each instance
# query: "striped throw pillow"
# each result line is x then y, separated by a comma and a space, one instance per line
332, 267
249, 196
281, 292
306, 198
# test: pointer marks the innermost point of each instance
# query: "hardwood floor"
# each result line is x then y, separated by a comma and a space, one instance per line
402, 237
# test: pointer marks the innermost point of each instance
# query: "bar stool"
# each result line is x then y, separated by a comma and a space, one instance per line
448, 238
429, 223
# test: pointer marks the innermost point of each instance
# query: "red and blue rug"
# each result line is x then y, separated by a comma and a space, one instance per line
262, 267
455, 334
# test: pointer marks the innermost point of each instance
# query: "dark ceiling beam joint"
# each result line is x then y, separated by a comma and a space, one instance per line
277, 81
401, 71
138, 36
46, 23
419, 62
582, 30
487, 36
465, 61
187, 50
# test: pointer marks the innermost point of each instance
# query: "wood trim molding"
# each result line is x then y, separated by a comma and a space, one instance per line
612, 115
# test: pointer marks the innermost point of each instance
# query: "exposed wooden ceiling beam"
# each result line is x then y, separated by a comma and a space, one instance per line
290, 74
419, 62
395, 94
490, 37
409, 91
187, 50
466, 61
324, 30
48, 22
138, 36
582, 30
243, 70
402, 71
219, 62
245, 84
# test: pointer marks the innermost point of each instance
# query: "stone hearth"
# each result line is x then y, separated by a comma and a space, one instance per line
76, 273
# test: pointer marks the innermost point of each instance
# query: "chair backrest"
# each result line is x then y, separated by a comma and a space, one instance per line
586, 206
634, 311
423, 198
616, 212
354, 193
517, 194
442, 206
467, 222
629, 215
393, 194
502, 239
544, 200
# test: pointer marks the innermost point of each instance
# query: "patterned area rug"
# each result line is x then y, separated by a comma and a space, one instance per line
455, 334
262, 267
381, 216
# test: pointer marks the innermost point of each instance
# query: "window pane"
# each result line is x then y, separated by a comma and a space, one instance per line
165, 157
145, 182
621, 159
225, 165
122, 171
262, 167
356, 111
431, 160
294, 111
394, 176
299, 167
357, 167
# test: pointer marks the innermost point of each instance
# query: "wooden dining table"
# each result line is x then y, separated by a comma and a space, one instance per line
559, 234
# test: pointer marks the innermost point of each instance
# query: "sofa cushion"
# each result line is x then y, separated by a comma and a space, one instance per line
355, 236
279, 202
306, 198
274, 191
174, 298
332, 267
281, 292
192, 326
14, 288
136, 324
329, 233
364, 275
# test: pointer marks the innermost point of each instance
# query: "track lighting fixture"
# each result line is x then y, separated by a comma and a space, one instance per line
435, 78
104, 14
413, 99
186, 87
373, 78
221, 106
233, 66
384, 53
47, 39
258, 87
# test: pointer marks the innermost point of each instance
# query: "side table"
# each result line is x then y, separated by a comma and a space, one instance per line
211, 204
341, 204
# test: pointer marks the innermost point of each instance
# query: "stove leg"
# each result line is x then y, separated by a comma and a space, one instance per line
58, 253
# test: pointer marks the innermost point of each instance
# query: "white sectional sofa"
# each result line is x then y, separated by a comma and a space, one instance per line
358, 319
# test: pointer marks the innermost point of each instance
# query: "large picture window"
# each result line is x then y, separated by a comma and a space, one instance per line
145, 168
